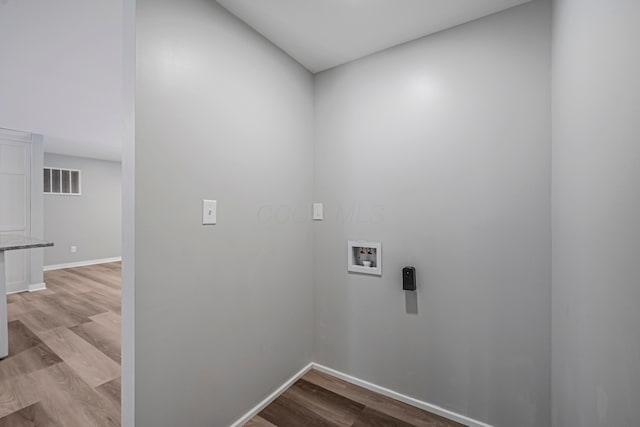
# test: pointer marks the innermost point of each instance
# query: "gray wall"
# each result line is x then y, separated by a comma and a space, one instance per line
128, 214
440, 149
36, 275
596, 207
223, 313
92, 221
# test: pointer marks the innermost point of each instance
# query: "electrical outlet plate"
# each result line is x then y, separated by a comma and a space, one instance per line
361, 251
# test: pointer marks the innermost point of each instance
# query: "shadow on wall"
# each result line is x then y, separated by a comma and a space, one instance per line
411, 302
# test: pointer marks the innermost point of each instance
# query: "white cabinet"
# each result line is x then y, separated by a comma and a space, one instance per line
15, 197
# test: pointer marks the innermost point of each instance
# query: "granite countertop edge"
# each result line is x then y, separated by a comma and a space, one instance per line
13, 242
27, 246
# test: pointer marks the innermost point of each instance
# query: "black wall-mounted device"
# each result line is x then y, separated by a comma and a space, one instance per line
409, 279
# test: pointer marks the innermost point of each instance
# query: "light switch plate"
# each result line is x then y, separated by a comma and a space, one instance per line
318, 212
209, 212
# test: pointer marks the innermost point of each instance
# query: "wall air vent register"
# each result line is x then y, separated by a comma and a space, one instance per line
64, 182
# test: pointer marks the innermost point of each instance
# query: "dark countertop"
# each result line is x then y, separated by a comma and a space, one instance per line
12, 242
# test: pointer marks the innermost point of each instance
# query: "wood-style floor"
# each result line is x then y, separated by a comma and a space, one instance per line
63, 368
321, 400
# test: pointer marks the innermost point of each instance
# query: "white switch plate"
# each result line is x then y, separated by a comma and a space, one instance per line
209, 212
318, 212
74, 249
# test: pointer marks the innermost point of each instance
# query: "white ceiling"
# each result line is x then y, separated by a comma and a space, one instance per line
321, 34
64, 77
61, 73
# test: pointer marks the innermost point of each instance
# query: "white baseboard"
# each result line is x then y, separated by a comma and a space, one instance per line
273, 396
37, 287
434, 409
30, 288
81, 263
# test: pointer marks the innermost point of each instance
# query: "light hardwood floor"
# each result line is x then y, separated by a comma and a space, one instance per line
63, 368
318, 399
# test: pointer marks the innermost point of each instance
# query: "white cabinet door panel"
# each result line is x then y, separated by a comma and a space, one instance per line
13, 158
17, 270
15, 196
13, 191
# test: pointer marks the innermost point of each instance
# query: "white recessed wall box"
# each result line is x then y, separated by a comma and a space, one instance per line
364, 257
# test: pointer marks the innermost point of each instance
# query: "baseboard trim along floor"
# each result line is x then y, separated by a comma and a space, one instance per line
37, 287
81, 263
29, 288
462, 419
273, 396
